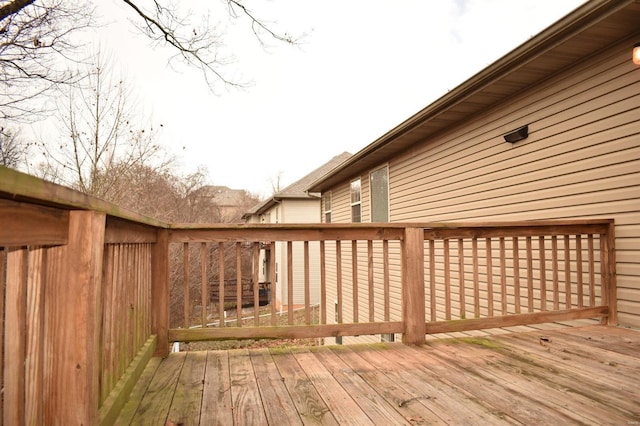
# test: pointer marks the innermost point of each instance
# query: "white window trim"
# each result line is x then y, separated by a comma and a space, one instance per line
357, 203
324, 210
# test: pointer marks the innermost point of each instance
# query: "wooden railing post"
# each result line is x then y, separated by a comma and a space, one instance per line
413, 311
609, 271
75, 348
160, 292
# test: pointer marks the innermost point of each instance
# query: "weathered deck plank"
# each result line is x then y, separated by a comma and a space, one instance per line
522, 377
338, 400
378, 409
273, 389
131, 407
451, 404
216, 393
245, 396
308, 402
583, 375
388, 387
187, 400
155, 405
496, 396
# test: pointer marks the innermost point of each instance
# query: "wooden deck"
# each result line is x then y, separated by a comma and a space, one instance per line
584, 375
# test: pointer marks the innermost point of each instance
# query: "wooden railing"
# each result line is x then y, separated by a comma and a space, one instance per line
89, 292
412, 279
76, 302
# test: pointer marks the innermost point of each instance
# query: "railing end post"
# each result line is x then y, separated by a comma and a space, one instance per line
413, 291
160, 293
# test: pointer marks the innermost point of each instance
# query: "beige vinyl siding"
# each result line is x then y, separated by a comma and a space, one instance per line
302, 211
341, 213
581, 160
341, 204
298, 211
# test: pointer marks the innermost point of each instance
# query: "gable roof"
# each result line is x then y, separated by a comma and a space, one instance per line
588, 29
299, 189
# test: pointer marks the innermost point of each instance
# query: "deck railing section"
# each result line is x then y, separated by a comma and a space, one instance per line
394, 278
515, 274
313, 271
76, 310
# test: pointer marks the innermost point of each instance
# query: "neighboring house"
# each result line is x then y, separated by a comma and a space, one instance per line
293, 204
575, 89
226, 204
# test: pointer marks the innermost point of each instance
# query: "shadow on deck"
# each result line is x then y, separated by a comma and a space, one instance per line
553, 375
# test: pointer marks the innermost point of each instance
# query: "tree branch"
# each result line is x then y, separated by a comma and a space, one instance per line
13, 7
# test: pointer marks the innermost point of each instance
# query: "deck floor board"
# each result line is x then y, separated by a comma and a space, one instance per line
553, 375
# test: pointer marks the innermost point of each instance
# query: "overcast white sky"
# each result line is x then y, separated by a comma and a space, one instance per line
364, 67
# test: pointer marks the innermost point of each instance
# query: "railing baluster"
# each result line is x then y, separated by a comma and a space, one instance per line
489, 276
354, 279
34, 362
462, 310
339, 279
3, 274
543, 274
603, 271
432, 279
272, 279
221, 308
592, 272
580, 292
476, 285
307, 295
554, 264
15, 343
385, 261
290, 282
239, 286
203, 274
516, 274
503, 276
447, 282
567, 272
256, 284
370, 280
529, 274
323, 284
186, 277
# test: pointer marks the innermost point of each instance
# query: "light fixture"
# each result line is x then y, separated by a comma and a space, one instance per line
636, 54
517, 135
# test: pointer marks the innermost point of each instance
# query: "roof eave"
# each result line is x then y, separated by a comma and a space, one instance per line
563, 29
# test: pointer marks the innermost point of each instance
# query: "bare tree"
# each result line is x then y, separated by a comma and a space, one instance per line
13, 150
197, 44
276, 182
35, 41
34, 36
99, 139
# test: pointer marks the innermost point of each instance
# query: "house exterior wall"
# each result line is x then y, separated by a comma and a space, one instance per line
300, 211
296, 211
581, 160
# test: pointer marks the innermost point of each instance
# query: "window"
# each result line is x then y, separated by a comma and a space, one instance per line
380, 195
326, 203
356, 201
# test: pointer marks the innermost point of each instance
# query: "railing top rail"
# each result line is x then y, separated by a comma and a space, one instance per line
378, 231
390, 225
22, 187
